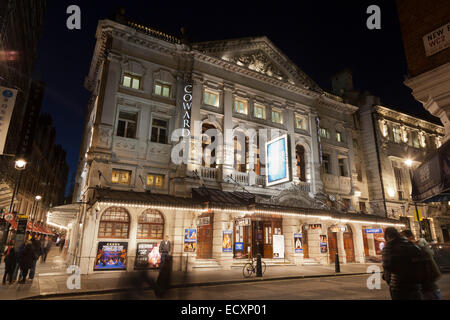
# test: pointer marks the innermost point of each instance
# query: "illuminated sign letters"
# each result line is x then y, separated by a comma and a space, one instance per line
187, 105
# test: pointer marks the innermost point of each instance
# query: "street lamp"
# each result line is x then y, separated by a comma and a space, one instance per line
408, 163
20, 164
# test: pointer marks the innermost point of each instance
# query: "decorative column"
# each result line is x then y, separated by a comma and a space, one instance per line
228, 146
316, 181
341, 248
222, 221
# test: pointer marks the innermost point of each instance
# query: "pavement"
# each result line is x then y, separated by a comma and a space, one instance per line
51, 278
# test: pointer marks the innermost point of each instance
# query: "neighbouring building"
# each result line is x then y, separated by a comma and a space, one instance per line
148, 88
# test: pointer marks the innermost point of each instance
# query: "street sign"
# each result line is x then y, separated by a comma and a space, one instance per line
8, 217
373, 231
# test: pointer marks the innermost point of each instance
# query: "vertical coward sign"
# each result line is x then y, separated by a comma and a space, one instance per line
187, 104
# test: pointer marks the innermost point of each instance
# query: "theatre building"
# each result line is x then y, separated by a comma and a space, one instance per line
264, 163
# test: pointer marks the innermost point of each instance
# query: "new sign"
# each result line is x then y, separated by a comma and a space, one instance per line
277, 168
437, 40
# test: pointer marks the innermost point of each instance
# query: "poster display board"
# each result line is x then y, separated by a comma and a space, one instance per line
147, 256
227, 243
298, 243
111, 256
277, 168
323, 243
278, 246
190, 240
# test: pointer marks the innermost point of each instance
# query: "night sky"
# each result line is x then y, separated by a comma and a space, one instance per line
321, 37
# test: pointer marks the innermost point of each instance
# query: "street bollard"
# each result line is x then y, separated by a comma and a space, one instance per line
337, 267
258, 266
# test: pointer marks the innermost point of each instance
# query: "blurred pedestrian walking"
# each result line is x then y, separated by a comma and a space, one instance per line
165, 248
46, 246
26, 258
10, 263
402, 266
36, 243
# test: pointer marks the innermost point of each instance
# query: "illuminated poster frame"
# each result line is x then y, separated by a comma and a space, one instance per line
277, 154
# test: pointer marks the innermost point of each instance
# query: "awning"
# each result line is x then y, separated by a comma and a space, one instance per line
431, 180
204, 199
63, 215
32, 228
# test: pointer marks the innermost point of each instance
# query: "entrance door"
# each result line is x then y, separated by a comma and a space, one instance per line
268, 239
446, 235
366, 243
305, 243
348, 245
332, 245
205, 237
426, 229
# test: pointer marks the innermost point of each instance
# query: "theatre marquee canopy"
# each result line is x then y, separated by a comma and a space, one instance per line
431, 180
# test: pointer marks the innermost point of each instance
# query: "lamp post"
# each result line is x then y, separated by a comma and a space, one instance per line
408, 163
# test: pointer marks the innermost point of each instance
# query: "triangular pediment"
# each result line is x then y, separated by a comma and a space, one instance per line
260, 55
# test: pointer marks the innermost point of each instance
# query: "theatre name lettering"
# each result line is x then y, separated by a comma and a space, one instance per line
187, 104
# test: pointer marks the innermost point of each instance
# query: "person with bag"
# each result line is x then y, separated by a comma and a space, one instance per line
402, 266
10, 264
431, 272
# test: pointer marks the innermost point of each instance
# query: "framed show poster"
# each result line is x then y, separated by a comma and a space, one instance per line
323, 243
298, 243
278, 246
190, 240
227, 244
111, 256
147, 256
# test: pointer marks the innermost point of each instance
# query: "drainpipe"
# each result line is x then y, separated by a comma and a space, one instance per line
379, 162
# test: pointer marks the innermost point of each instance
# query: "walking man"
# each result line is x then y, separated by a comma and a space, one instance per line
37, 253
27, 256
46, 245
402, 266
165, 248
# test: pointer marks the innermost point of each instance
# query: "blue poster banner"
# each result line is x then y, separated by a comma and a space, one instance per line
239, 246
190, 240
298, 243
111, 256
227, 243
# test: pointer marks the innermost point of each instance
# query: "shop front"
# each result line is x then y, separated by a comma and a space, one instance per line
254, 234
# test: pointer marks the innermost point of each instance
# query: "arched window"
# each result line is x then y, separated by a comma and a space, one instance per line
206, 141
300, 154
114, 223
150, 225
241, 152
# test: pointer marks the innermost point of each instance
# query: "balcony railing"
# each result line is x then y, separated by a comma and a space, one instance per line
209, 173
304, 186
260, 181
240, 177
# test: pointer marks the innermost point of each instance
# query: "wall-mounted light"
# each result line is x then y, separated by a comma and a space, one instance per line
358, 194
391, 192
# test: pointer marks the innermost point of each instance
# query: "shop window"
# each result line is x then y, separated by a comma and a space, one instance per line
121, 176
162, 89
240, 106
211, 98
150, 225
155, 180
277, 116
126, 126
260, 111
114, 223
399, 182
159, 131
131, 81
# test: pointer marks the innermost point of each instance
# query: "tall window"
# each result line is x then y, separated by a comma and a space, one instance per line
150, 225
300, 154
240, 106
416, 141
342, 171
326, 163
358, 169
162, 89
131, 81
399, 182
397, 134
260, 111
121, 176
362, 207
277, 117
126, 126
355, 144
338, 136
324, 133
155, 180
211, 98
241, 154
206, 141
114, 223
159, 131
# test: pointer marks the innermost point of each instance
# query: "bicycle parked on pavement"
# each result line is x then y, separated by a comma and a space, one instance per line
250, 268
